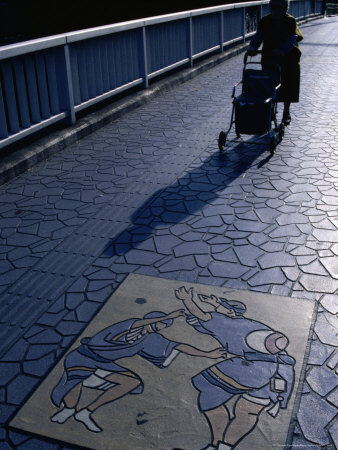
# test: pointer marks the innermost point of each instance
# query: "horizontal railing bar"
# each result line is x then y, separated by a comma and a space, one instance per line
233, 41
90, 33
122, 26
248, 35
167, 68
213, 9
108, 94
205, 52
21, 48
33, 129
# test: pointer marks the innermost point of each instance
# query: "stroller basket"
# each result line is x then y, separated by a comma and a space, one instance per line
260, 84
256, 107
252, 117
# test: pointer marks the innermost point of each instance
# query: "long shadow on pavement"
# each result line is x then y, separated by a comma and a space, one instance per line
202, 189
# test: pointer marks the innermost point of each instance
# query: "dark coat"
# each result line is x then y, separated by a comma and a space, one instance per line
275, 35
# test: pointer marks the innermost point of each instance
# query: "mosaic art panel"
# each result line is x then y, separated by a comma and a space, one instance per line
167, 365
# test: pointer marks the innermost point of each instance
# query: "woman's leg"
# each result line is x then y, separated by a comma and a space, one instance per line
218, 420
246, 418
70, 402
72, 398
286, 113
121, 385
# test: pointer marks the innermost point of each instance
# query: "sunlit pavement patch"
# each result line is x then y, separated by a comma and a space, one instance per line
167, 364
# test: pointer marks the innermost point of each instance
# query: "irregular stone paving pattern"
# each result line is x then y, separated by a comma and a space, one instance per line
150, 194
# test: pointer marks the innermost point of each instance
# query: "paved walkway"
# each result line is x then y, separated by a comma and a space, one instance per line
150, 194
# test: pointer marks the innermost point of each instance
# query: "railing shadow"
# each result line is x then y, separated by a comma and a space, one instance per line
190, 195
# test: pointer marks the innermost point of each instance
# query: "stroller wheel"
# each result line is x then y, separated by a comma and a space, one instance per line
222, 138
273, 144
281, 131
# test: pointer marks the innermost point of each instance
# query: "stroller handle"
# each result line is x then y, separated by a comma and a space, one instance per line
259, 52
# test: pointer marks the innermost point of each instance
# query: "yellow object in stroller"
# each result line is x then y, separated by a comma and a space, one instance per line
255, 108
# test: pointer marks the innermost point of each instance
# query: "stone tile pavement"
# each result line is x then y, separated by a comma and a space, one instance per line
150, 194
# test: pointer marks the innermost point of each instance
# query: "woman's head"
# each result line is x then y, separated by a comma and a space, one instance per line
278, 8
230, 308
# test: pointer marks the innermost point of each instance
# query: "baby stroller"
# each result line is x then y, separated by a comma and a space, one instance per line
255, 108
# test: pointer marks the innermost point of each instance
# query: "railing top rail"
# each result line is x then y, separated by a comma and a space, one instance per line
108, 29
8, 51
20, 48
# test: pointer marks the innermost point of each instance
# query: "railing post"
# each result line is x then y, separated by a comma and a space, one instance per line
190, 41
222, 31
144, 58
244, 24
70, 90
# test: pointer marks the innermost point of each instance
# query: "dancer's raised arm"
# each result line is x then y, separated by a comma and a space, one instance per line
187, 297
173, 315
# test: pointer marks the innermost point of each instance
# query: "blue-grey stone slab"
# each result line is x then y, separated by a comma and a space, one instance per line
39, 367
249, 225
285, 231
164, 244
95, 285
8, 372
36, 351
23, 239
326, 328
330, 303
44, 336
17, 438
11, 276
86, 311
227, 254
333, 430
34, 444
322, 380
183, 263
51, 319
276, 259
313, 425
227, 269
333, 398
202, 260
318, 283
319, 353
143, 257
15, 391
326, 235
191, 248
16, 352
293, 218
267, 277
332, 363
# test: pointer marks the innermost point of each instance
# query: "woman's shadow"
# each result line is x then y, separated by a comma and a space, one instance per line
199, 195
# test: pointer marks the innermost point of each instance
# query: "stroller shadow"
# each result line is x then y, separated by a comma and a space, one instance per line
200, 195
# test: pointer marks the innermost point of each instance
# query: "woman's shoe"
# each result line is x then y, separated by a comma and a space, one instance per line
286, 119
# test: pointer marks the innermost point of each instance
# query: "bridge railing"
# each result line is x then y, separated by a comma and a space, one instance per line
49, 80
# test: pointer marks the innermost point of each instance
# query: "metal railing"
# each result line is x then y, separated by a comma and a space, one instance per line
48, 80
